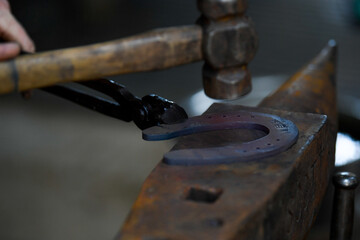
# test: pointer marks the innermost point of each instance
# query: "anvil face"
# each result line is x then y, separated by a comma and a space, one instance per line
275, 197
185, 202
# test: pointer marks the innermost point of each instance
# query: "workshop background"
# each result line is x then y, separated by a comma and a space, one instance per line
69, 173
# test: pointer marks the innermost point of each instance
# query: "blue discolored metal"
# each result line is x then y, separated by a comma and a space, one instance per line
280, 135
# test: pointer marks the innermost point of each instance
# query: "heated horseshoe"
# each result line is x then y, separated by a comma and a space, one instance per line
281, 134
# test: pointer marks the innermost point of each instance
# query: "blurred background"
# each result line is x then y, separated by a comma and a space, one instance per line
69, 173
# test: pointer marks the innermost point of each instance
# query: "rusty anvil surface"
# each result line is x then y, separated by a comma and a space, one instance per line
165, 208
270, 198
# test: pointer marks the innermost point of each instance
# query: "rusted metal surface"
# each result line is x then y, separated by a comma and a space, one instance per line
229, 44
280, 134
272, 198
216, 9
312, 89
228, 83
258, 198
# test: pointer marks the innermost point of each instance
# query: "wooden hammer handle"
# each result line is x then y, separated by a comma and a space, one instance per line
153, 50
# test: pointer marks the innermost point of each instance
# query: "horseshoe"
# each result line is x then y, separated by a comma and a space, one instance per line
281, 134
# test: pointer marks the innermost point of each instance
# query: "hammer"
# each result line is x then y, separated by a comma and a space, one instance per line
223, 37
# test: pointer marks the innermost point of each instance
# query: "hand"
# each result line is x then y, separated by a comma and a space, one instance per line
12, 32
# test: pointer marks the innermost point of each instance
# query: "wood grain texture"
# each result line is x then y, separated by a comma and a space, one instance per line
153, 50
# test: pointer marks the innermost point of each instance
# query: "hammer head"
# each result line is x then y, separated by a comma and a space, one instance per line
227, 83
229, 44
228, 47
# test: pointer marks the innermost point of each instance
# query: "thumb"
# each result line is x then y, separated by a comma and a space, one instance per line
9, 50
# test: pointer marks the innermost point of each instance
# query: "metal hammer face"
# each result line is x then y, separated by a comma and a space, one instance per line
229, 44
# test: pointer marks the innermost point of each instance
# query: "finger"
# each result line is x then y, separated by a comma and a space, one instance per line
9, 50
4, 4
11, 30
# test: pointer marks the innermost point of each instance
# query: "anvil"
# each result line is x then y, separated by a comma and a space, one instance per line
274, 197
